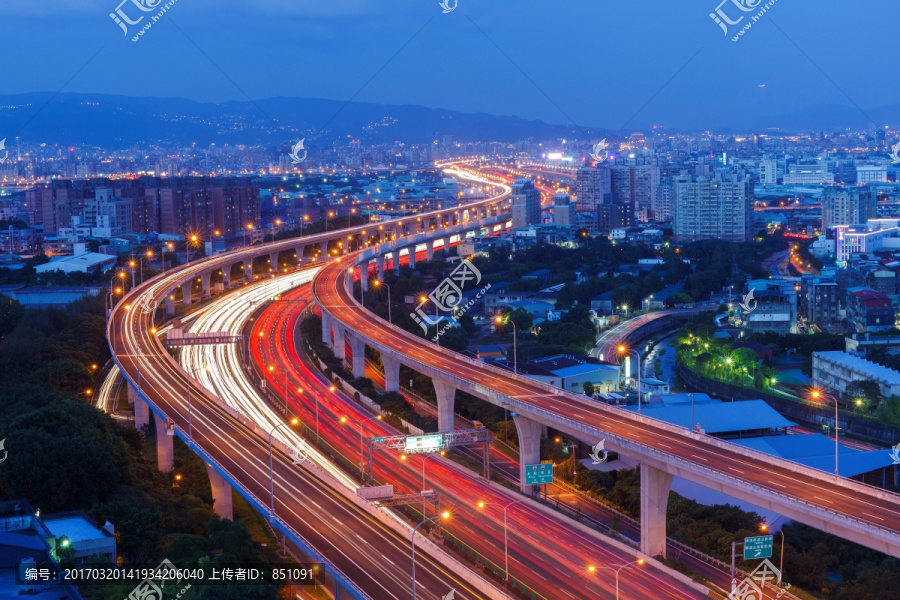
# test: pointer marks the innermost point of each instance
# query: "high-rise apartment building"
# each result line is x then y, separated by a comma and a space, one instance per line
563, 210
164, 205
593, 187
848, 206
716, 207
526, 204
664, 203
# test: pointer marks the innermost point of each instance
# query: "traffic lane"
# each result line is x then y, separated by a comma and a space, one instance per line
413, 483
162, 387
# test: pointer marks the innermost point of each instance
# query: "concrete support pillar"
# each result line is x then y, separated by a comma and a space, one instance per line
358, 347
248, 271
141, 410
226, 276
655, 486
221, 492
323, 246
412, 257
395, 258
165, 453
529, 446
186, 292
170, 305
364, 276
446, 396
273, 261
429, 250
205, 283
339, 341
326, 328
391, 373
379, 263
300, 251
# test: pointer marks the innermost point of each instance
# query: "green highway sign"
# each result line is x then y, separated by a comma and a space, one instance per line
378, 440
538, 474
758, 547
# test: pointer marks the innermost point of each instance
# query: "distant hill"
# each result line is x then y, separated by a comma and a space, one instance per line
120, 121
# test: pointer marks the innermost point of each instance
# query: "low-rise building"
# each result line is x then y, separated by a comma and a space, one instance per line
834, 371
869, 310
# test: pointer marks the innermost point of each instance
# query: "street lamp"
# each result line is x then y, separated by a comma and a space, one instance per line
294, 421
765, 529
615, 570
286, 390
444, 515
377, 283
437, 331
425, 460
623, 350
499, 320
505, 532
362, 473
817, 394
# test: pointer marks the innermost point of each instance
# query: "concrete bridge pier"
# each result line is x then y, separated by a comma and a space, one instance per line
412, 257
221, 492
165, 453
529, 446
248, 270
226, 276
429, 250
273, 261
446, 398
379, 266
395, 259
326, 328
655, 486
186, 292
364, 275
323, 250
141, 410
299, 251
340, 338
170, 304
205, 279
358, 348
391, 373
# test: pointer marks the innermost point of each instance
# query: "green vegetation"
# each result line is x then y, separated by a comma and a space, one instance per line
66, 455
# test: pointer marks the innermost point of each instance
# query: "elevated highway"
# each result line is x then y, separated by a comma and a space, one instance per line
846, 508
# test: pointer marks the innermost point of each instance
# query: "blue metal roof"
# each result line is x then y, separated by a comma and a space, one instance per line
721, 417
817, 451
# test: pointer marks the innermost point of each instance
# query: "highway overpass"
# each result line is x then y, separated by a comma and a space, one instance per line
846, 508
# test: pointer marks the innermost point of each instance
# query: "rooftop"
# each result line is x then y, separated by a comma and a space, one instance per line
718, 417
873, 370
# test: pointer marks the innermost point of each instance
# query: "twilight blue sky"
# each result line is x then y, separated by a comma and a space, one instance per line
598, 61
